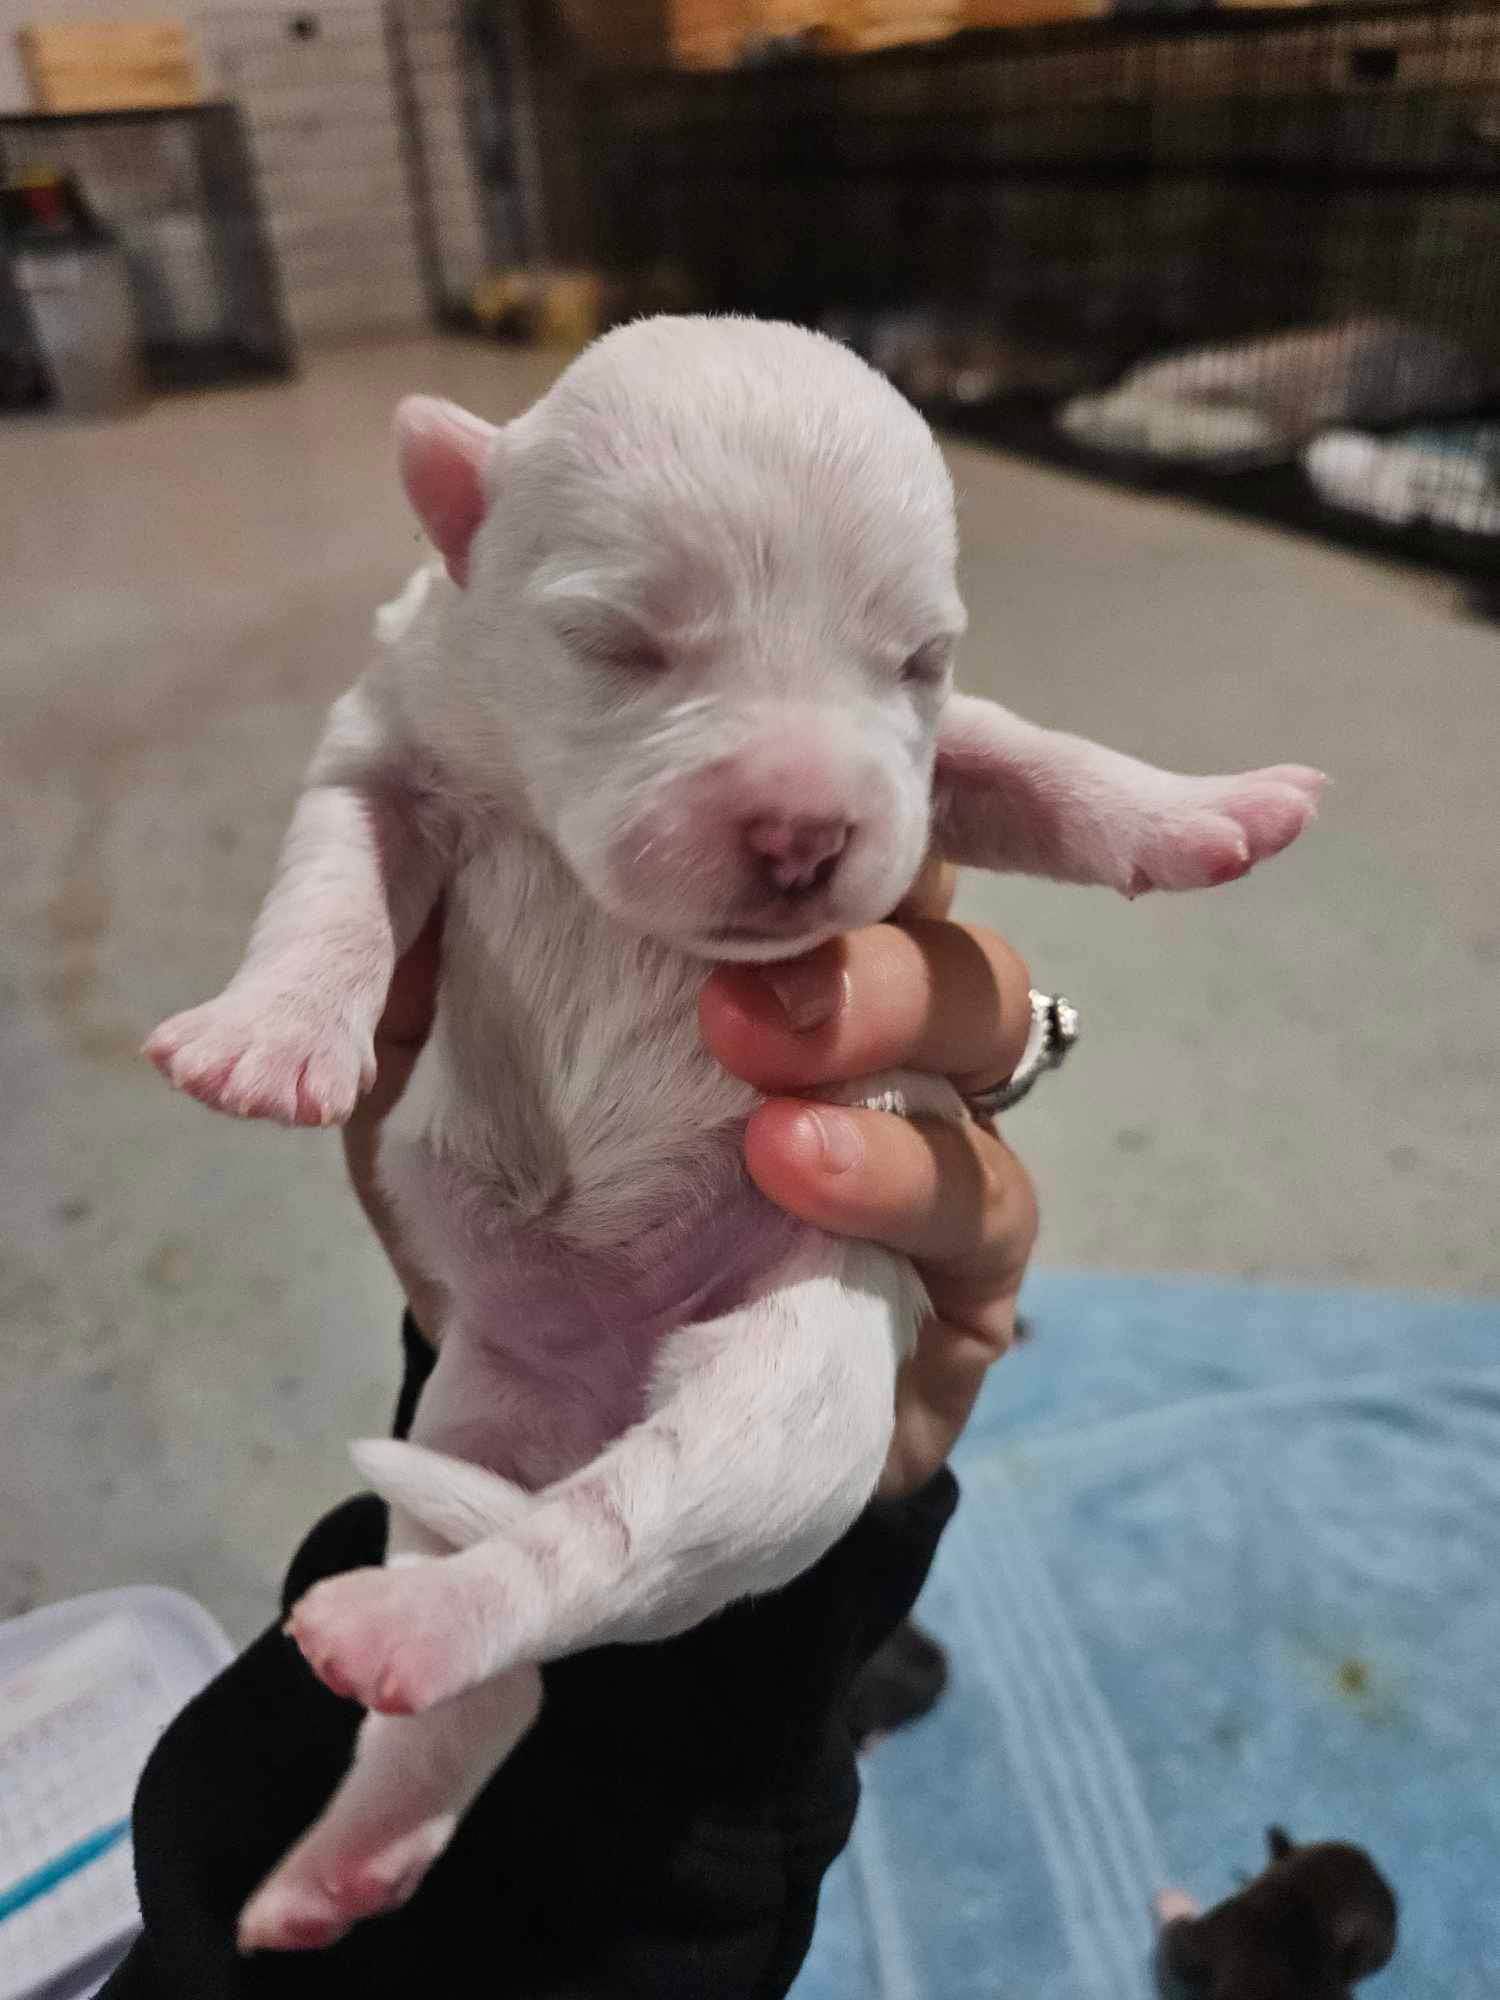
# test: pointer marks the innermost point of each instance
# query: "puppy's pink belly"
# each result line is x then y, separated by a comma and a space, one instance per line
549, 1350
503, 1397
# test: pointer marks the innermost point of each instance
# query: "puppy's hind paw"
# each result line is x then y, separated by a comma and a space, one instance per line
308, 1903
290, 1916
396, 1639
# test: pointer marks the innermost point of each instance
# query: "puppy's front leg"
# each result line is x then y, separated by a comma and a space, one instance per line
1012, 796
290, 1037
766, 1434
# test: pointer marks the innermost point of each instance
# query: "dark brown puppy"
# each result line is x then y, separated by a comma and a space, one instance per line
899, 1685
1320, 1917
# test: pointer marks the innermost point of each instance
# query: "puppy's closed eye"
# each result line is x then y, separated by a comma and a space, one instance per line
928, 665
607, 638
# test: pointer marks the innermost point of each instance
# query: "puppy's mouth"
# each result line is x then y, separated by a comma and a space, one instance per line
759, 933
766, 941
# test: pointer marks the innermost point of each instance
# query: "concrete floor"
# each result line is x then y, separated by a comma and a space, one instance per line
1296, 1077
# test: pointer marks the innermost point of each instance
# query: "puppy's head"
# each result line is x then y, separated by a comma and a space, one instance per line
706, 614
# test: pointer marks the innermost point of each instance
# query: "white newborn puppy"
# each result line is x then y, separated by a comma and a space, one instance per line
677, 691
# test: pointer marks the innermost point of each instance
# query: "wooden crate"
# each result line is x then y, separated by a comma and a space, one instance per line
714, 34
110, 65
613, 33
794, 17
861, 24
711, 34
886, 24
692, 34
1032, 13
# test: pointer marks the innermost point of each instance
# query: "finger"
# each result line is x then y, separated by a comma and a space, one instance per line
936, 1391
403, 1029
952, 1197
931, 895
401, 1033
957, 1200
929, 996
973, 1324
412, 998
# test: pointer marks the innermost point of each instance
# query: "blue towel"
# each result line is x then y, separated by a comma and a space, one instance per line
1226, 1556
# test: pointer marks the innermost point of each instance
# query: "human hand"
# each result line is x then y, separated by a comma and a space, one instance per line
916, 993
399, 1037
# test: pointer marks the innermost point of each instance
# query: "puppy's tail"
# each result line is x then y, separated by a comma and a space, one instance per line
463, 1503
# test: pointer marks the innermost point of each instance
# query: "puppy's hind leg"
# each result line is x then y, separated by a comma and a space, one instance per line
410, 1783
412, 1779
765, 1434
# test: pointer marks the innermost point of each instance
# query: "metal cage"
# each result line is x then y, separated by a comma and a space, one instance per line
1296, 210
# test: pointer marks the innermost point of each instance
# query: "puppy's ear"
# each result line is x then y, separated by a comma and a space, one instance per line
443, 453
1279, 1842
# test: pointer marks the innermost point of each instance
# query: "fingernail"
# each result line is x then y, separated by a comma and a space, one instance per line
811, 990
838, 1140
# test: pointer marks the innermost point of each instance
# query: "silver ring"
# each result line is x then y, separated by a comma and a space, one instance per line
1054, 1030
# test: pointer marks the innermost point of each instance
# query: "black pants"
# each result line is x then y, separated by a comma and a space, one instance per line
663, 1831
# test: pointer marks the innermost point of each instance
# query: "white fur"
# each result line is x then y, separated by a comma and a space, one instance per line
696, 607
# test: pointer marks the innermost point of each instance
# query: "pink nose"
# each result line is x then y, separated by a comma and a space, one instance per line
796, 854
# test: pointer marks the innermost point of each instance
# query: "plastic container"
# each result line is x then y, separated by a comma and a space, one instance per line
86, 1687
73, 275
179, 298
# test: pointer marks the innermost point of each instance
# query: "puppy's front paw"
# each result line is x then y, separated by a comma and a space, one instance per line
398, 1640
255, 1053
1205, 831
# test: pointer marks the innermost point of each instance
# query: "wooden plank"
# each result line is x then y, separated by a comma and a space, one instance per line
885, 24
1032, 13
110, 65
